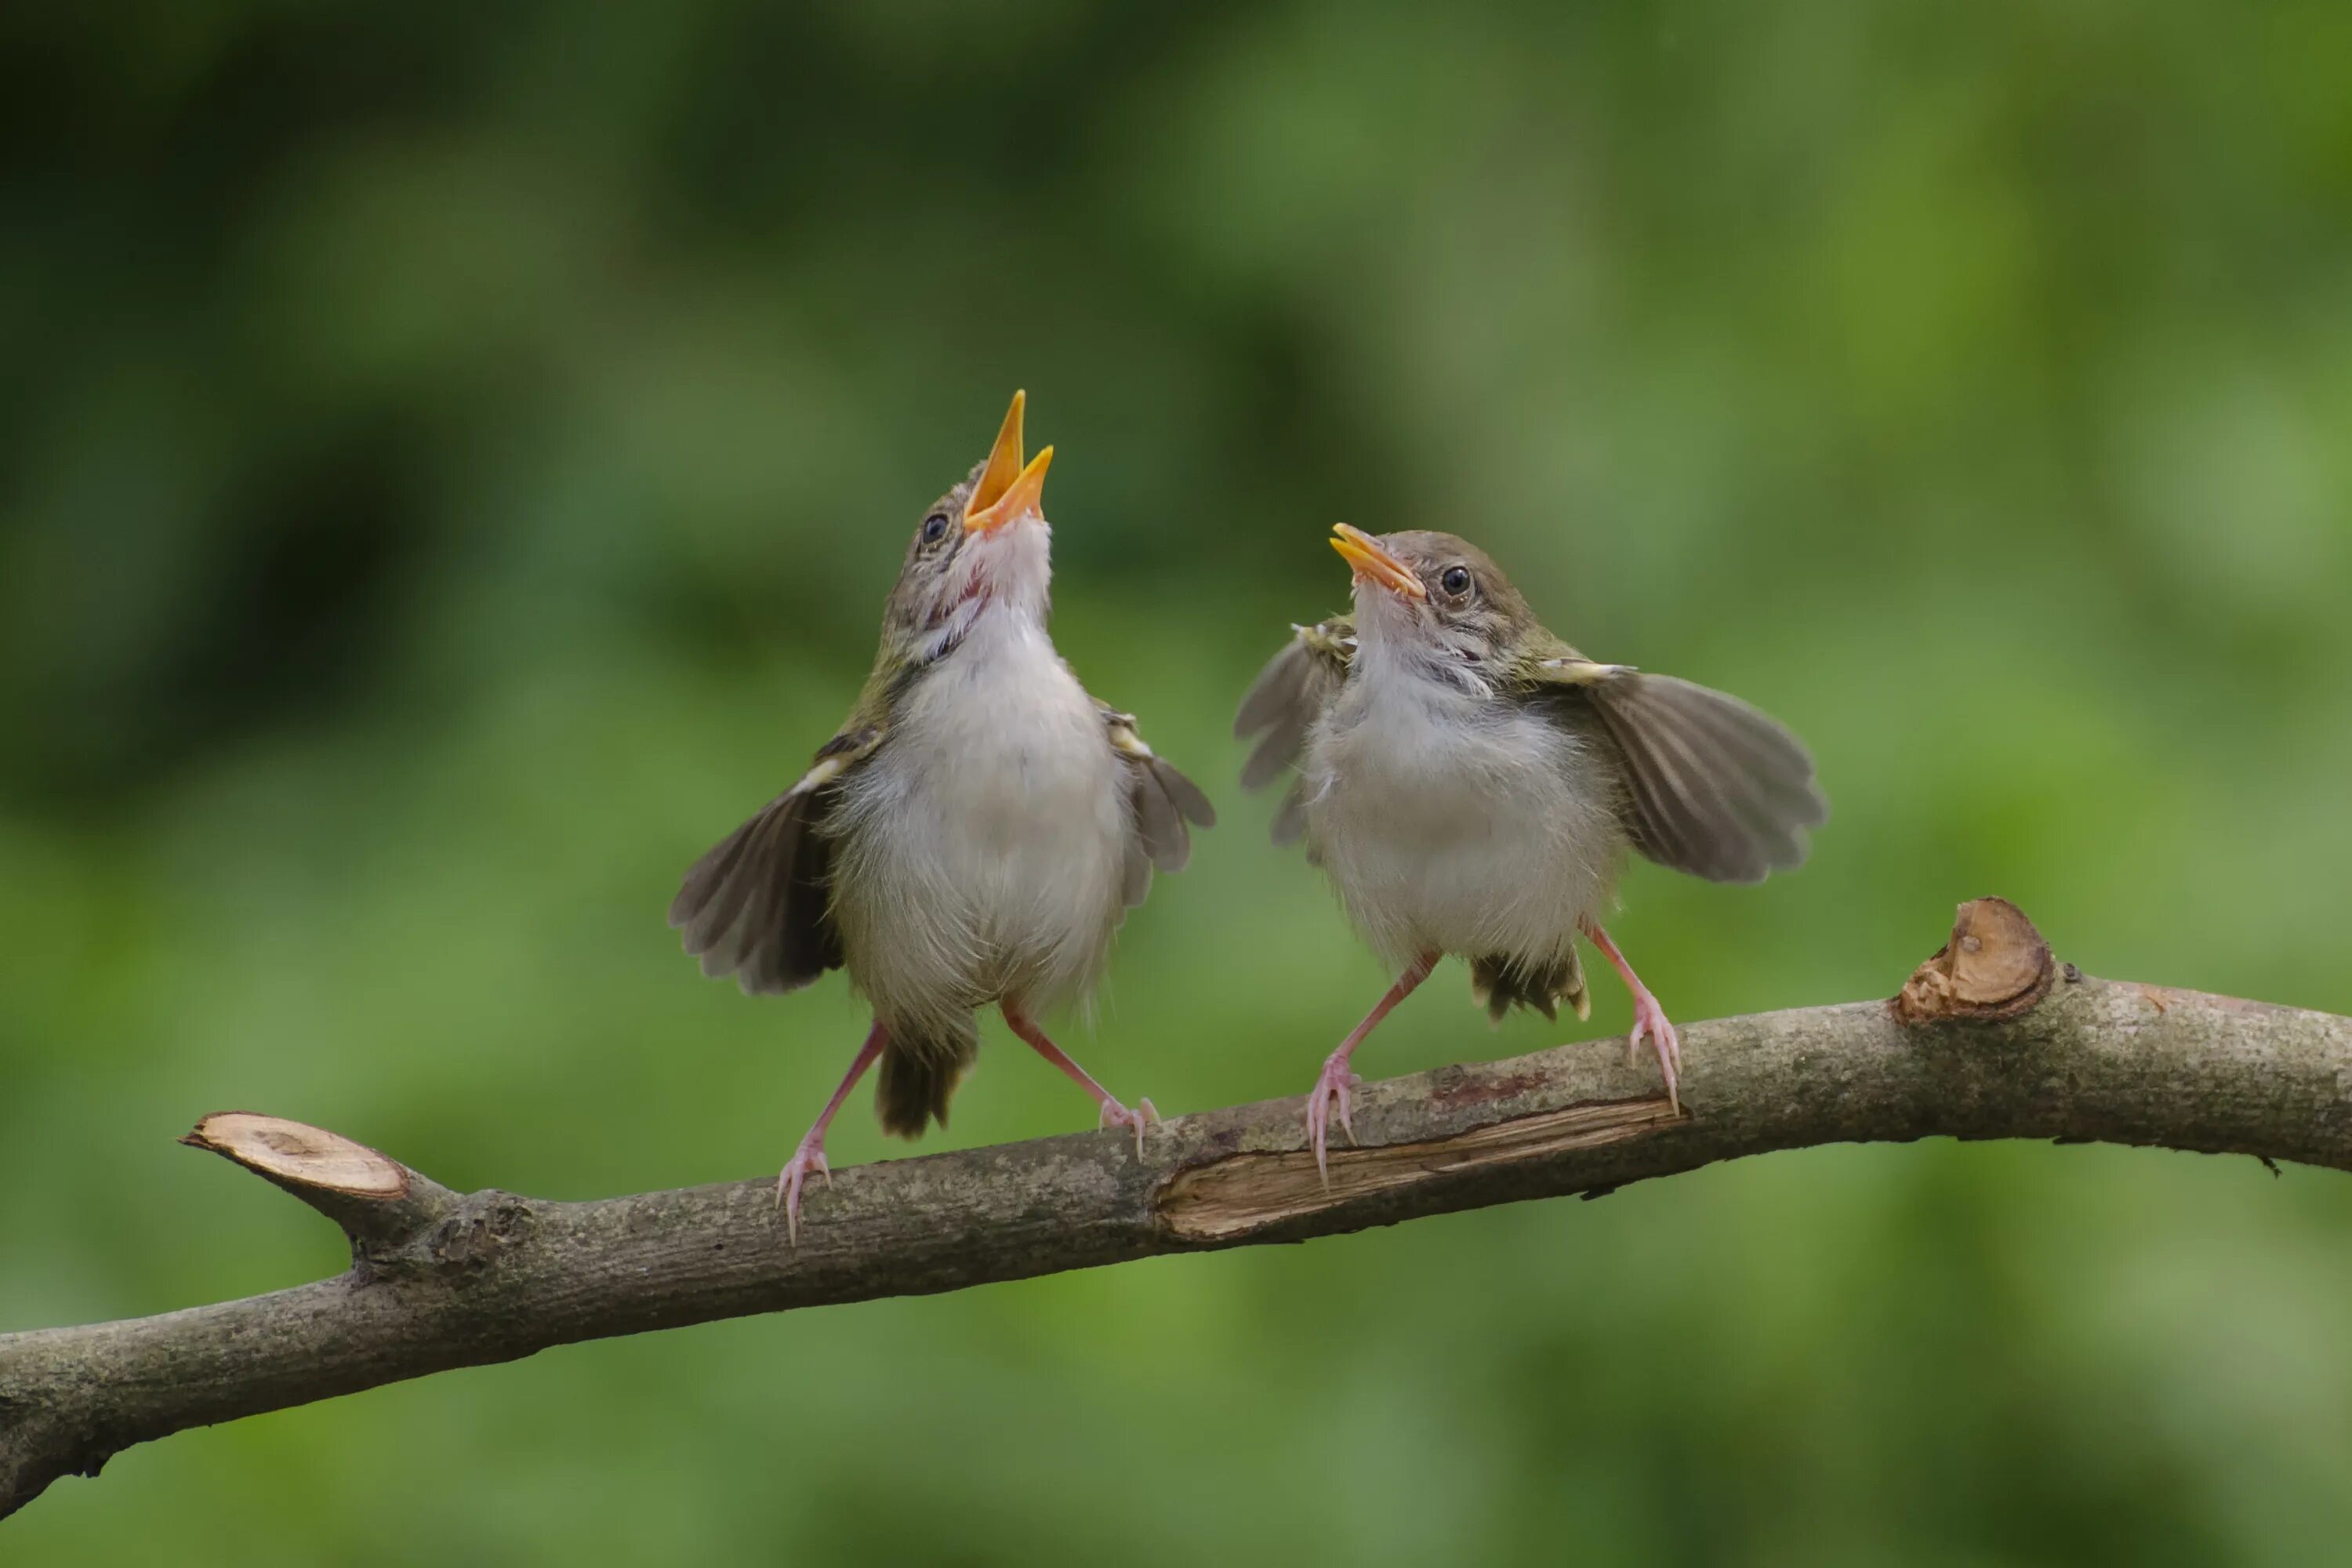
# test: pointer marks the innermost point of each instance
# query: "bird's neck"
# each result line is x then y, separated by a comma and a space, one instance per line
999, 586
991, 615
1414, 665
1397, 641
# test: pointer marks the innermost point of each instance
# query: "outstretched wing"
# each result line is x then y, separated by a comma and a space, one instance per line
1162, 801
1283, 704
757, 906
1714, 786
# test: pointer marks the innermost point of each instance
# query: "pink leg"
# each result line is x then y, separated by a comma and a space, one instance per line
1112, 1113
1339, 1082
811, 1154
1649, 1019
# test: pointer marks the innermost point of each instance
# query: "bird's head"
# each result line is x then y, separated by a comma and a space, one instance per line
983, 549
1440, 599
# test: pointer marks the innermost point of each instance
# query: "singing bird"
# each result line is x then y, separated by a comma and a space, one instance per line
1471, 785
972, 835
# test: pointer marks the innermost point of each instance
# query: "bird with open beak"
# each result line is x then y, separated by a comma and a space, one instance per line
973, 835
1471, 785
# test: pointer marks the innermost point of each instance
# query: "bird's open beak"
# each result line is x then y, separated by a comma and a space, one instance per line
1365, 554
1007, 491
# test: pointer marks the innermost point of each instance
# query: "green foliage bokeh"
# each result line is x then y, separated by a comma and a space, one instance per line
450, 460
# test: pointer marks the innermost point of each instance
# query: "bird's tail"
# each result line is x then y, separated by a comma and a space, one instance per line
1503, 982
919, 1071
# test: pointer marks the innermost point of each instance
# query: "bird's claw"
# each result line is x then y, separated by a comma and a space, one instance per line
808, 1156
1650, 1019
1114, 1114
1335, 1088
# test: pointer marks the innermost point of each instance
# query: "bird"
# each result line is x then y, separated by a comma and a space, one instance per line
1471, 785
974, 833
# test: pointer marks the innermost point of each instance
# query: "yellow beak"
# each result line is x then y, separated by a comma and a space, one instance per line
1007, 491
1371, 561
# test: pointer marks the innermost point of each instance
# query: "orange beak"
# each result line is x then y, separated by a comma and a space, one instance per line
1007, 491
1365, 554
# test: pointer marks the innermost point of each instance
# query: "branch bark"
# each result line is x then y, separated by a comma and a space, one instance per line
1991, 1038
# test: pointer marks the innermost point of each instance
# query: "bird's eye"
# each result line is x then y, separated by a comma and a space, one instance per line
1456, 580
935, 528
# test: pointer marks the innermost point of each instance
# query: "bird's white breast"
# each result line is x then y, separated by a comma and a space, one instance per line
1453, 822
980, 849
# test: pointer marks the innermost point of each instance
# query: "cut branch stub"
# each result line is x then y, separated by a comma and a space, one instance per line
375, 1198
292, 1152
1996, 966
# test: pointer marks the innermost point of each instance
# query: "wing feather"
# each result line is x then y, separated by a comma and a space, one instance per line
1282, 706
757, 905
1714, 787
744, 901
1162, 801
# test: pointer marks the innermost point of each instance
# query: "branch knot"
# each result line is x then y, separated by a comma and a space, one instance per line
1995, 967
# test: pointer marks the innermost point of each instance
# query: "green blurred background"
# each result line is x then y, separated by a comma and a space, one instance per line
451, 460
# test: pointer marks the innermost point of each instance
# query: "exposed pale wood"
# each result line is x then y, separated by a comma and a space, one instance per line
1226, 1199
1995, 966
2000, 1042
379, 1201
297, 1155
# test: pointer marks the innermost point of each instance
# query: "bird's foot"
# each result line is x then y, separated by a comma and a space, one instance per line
1114, 1114
1650, 1019
1334, 1090
808, 1156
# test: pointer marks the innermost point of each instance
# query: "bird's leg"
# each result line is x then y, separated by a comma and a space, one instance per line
810, 1155
1113, 1114
1336, 1086
1649, 1019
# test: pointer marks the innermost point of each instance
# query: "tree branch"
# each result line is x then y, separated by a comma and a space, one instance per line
1990, 1039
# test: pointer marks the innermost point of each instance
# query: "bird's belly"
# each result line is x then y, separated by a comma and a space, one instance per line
1496, 841
981, 856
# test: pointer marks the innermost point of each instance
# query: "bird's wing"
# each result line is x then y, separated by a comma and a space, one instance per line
1714, 787
757, 906
1282, 706
1162, 801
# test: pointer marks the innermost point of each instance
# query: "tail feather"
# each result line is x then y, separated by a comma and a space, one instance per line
918, 1074
1502, 982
